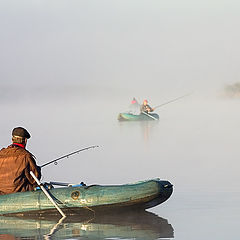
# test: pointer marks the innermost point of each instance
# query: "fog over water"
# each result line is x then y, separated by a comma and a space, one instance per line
69, 67
194, 145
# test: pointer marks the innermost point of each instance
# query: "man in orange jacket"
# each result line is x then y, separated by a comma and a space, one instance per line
145, 107
16, 163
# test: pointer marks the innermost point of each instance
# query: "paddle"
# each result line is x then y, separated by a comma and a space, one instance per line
149, 115
171, 101
55, 160
47, 194
54, 229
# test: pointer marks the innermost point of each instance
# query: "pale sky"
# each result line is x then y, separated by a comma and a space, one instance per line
120, 43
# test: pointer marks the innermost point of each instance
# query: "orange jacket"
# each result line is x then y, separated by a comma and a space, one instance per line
146, 108
15, 166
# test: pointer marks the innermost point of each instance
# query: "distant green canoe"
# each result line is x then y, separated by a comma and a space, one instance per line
139, 117
140, 195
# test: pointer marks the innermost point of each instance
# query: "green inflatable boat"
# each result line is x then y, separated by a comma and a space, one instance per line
139, 117
140, 195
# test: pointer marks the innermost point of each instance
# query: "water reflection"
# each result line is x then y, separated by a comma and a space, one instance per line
145, 128
137, 225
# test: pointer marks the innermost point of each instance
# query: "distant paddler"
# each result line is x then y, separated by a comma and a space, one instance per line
145, 108
134, 107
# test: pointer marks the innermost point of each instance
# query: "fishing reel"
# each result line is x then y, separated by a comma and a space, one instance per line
47, 186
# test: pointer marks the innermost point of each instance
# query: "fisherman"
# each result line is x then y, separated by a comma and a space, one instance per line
134, 108
16, 163
134, 101
145, 107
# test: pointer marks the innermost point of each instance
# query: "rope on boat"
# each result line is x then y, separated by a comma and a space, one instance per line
88, 208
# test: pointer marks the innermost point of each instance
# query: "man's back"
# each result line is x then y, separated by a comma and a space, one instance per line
15, 166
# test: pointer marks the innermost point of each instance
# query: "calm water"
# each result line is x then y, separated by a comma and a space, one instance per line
195, 145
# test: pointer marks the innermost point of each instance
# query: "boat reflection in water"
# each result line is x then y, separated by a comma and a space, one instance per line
128, 225
145, 128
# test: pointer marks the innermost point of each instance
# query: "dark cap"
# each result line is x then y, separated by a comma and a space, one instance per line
20, 132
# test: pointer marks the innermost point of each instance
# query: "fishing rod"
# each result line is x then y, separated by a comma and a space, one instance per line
171, 101
55, 160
